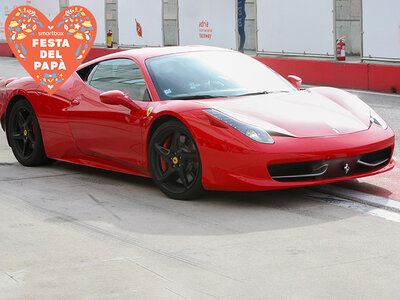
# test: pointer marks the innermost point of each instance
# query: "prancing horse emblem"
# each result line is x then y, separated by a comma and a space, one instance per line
346, 168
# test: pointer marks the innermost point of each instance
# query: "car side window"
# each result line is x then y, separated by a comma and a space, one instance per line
120, 74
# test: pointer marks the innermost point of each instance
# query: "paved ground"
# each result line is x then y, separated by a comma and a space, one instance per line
72, 232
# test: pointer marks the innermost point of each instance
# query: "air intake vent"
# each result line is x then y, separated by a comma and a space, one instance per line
332, 168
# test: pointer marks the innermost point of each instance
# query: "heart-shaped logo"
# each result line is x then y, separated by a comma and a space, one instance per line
50, 51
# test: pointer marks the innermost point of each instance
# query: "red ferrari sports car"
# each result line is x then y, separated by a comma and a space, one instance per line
196, 118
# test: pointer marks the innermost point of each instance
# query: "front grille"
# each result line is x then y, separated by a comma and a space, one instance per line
331, 168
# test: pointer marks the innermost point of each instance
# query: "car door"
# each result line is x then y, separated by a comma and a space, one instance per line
111, 134
53, 118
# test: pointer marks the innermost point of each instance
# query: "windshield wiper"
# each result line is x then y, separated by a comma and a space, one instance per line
261, 93
253, 93
193, 97
275, 92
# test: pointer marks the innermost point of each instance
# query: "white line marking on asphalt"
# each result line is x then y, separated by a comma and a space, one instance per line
349, 204
364, 198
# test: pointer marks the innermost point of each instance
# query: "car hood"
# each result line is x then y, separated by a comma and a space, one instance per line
297, 114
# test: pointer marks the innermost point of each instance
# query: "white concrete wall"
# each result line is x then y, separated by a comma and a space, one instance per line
286, 25
304, 26
149, 14
220, 16
250, 25
348, 24
381, 26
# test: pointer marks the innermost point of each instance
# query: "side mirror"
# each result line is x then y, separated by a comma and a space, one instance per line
295, 81
117, 97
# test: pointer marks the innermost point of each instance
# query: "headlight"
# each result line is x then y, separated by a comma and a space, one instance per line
255, 133
375, 118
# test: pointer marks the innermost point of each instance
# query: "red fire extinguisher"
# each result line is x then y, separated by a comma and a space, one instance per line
341, 49
109, 39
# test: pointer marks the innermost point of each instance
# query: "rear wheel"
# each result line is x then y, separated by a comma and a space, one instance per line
24, 135
174, 161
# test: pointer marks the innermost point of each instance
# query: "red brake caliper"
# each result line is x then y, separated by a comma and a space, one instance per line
163, 162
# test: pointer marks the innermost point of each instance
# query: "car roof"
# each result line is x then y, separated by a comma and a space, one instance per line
148, 52
158, 51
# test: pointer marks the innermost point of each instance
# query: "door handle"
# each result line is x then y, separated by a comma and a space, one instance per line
75, 102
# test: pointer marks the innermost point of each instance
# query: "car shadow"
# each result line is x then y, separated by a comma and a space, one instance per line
130, 204
365, 187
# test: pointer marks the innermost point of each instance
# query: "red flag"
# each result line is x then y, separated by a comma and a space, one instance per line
138, 28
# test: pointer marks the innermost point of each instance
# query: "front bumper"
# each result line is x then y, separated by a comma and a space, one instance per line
240, 164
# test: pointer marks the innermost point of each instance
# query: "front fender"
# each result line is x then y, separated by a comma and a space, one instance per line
350, 102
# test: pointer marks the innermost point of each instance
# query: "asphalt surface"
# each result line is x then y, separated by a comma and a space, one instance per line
73, 232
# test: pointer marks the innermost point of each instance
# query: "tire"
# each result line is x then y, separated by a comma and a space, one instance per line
174, 161
24, 135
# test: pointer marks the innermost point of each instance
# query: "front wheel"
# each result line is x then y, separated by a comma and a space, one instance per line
174, 161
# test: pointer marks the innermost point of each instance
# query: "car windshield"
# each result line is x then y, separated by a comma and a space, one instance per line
212, 74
